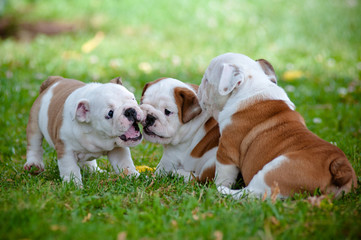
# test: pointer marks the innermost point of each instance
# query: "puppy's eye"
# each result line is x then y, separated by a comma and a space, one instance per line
110, 114
167, 112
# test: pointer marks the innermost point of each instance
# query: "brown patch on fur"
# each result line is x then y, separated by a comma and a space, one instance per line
268, 69
267, 129
194, 86
187, 102
207, 174
32, 129
55, 111
48, 82
147, 85
209, 141
117, 80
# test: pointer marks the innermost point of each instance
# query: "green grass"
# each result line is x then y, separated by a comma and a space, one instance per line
145, 40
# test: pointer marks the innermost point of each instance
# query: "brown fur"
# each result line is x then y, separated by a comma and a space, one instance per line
267, 129
187, 102
209, 141
56, 107
207, 175
117, 80
147, 85
268, 69
194, 86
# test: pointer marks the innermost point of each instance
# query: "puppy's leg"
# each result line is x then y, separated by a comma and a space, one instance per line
166, 166
121, 159
69, 169
34, 153
226, 174
236, 194
91, 165
258, 186
182, 173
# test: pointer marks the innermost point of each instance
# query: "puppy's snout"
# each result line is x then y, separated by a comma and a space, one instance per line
131, 114
149, 121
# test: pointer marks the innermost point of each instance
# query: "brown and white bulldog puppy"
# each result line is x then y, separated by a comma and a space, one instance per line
82, 122
263, 137
174, 119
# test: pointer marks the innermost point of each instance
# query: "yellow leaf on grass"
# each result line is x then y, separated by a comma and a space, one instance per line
144, 168
86, 218
145, 67
122, 236
218, 235
93, 43
292, 75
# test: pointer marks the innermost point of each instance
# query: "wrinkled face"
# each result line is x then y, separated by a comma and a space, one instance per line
114, 114
167, 105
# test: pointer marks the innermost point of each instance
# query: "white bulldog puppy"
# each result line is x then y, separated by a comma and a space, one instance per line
263, 137
174, 119
82, 122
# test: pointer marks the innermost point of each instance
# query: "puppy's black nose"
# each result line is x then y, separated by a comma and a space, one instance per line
131, 114
149, 121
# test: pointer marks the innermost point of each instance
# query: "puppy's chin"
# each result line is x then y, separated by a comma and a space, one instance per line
130, 138
153, 137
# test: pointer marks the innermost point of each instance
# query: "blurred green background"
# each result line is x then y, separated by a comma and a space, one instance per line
314, 47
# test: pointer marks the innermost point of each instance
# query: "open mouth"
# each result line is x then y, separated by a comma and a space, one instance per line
150, 133
133, 133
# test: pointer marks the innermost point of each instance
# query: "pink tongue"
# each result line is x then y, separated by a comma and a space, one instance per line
131, 133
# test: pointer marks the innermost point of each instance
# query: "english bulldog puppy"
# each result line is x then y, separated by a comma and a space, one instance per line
263, 137
82, 122
189, 135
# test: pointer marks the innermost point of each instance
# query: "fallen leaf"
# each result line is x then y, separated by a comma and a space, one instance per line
122, 236
145, 67
275, 190
124, 173
274, 220
86, 218
291, 75
93, 43
218, 235
264, 196
174, 223
56, 227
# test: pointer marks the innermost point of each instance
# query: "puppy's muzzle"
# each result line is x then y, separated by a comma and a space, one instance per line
149, 121
131, 114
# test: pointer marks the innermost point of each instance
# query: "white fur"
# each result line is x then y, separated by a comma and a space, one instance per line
43, 114
179, 138
87, 140
257, 187
222, 99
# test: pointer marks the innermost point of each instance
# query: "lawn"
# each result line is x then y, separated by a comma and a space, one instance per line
314, 47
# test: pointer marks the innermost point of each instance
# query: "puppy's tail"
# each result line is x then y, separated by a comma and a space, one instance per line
48, 82
343, 176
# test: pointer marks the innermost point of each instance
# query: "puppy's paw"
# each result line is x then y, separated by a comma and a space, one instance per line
75, 180
33, 168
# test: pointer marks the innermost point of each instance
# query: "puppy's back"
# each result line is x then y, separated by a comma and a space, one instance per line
48, 82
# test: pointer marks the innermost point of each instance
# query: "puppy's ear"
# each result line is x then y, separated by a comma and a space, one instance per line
117, 80
187, 102
268, 70
82, 111
231, 77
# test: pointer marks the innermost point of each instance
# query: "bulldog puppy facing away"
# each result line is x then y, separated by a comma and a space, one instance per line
82, 122
174, 119
263, 137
